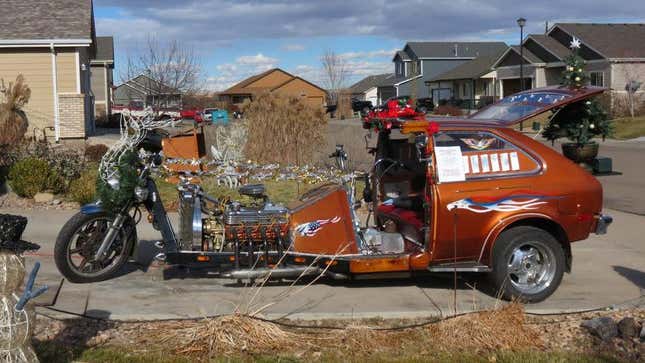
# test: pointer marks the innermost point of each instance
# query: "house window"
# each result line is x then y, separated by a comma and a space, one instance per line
597, 79
399, 68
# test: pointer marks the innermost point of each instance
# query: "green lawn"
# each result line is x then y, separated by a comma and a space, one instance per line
624, 127
629, 128
279, 191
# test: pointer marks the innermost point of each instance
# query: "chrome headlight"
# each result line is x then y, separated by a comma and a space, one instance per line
114, 183
140, 193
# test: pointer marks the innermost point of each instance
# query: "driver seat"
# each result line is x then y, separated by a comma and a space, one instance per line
253, 190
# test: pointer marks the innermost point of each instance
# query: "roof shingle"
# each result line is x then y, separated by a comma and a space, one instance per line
104, 49
552, 45
370, 81
470, 70
612, 40
51, 19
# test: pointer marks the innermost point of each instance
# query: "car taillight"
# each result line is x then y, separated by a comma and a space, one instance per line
584, 217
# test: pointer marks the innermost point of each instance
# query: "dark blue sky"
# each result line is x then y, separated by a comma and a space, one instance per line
235, 39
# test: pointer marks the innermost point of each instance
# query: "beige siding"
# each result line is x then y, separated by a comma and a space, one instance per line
35, 66
98, 83
298, 87
66, 71
272, 79
622, 72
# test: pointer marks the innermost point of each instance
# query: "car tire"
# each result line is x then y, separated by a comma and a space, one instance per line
528, 264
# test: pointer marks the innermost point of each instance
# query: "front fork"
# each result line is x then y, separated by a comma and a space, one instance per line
111, 234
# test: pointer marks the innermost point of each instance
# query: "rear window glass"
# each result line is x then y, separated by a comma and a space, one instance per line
518, 106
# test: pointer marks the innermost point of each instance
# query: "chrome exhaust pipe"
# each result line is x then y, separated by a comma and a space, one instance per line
281, 272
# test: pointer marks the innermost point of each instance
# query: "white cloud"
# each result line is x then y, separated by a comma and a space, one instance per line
194, 20
381, 53
228, 74
256, 60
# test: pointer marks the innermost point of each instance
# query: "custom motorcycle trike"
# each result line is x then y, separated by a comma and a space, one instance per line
445, 195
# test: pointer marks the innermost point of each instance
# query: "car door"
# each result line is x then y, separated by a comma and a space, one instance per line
495, 173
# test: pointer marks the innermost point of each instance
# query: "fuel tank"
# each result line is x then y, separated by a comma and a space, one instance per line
321, 222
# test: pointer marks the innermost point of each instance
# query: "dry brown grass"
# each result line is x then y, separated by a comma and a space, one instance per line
13, 122
501, 329
283, 129
225, 335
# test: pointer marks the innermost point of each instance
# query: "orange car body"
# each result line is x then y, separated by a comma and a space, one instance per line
509, 180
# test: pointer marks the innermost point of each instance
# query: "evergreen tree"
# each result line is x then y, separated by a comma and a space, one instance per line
581, 121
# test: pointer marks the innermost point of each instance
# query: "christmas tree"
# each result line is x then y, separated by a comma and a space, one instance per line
581, 121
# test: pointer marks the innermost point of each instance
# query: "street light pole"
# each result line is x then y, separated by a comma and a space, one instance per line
521, 22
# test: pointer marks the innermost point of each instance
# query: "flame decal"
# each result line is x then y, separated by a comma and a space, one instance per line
310, 229
506, 204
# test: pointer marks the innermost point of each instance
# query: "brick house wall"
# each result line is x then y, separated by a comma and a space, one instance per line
71, 113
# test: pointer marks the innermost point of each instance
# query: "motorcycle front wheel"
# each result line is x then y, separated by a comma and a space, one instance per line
80, 239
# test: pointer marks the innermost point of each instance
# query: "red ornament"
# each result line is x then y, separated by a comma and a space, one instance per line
433, 128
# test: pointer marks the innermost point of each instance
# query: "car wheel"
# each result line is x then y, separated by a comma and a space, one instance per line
528, 264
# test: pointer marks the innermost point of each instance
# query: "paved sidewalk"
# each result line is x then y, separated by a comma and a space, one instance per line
607, 270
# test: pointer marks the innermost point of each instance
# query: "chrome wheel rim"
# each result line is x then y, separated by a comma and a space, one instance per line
531, 267
84, 244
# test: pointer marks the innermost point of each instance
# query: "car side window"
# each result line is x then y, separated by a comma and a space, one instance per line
486, 155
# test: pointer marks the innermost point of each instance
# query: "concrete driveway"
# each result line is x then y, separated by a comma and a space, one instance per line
607, 270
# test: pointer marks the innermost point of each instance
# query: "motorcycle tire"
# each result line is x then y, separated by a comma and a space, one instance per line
67, 233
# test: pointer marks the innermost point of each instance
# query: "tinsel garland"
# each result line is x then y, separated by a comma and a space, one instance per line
114, 199
307, 174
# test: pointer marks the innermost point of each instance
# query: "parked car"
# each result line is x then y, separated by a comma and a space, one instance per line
423, 105
193, 114
362, 106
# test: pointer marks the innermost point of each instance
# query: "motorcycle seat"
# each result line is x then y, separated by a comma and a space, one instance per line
252, 190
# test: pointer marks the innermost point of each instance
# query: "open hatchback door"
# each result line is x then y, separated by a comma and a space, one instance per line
524, 105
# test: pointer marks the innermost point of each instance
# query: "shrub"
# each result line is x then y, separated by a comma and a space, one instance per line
283, 129
67, 163
83, 189
30, 176
13, 122
447, 110
94, 153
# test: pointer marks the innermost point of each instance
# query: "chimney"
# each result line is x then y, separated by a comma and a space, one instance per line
546, 27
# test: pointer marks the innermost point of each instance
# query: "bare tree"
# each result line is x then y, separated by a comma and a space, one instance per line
169, 70
633, 82
335, 73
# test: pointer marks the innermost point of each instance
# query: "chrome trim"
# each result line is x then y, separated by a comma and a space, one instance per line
603, 223
197, 222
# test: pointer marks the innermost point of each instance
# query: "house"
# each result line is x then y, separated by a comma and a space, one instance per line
376, 88
102, 81
52, 44
420, 62
613, 52
143, 91
470, 85
275, 80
